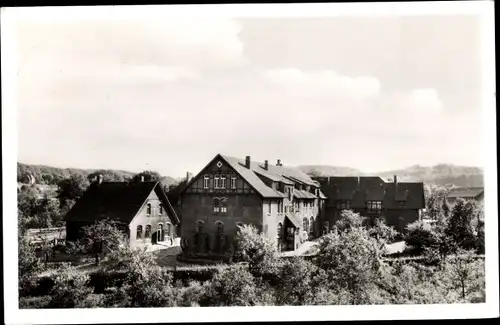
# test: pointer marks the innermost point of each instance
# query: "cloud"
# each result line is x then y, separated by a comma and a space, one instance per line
322, 83
160, 50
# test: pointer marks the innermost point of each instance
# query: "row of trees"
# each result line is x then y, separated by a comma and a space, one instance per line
349, 269
40, 209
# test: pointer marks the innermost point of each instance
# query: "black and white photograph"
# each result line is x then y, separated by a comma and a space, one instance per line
293, 162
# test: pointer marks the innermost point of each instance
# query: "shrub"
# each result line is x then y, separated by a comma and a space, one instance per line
381, 231
191, 295
34, 302
349, 220
421, 236
352, 261
233, 286
70, 288
296, 287
257, 250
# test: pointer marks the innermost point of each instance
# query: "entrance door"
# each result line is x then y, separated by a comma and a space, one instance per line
290, 238
161, 233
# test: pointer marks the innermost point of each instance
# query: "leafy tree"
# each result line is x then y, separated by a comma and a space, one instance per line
298, 285
257, 250
464, 272
421, 236
71, 189
146, 284
28, 264
349, 220
70, 288
107, 176
102, 237
382, 232
149, 176
233, 286
352, 260
460, 226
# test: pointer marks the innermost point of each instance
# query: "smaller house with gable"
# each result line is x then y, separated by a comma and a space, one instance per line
140, 209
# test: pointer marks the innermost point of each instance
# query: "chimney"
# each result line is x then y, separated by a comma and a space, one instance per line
188, 177
266, 165
99, 179
142, 178
395, 179
247, 162
278, 163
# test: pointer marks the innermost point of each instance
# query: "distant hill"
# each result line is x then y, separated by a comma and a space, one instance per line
442, 174
47, 175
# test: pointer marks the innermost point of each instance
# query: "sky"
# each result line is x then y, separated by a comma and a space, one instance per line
167, 95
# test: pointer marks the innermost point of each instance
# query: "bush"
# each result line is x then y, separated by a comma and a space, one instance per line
381, 231
296, 287
352, 261
70, 288
257, 250
349, 220
34, 302
421, 236
191, 295
232, 287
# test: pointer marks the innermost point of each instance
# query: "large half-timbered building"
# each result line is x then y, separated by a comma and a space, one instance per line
283, 203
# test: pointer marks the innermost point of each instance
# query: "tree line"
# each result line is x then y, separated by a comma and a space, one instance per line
349, 269
39, 209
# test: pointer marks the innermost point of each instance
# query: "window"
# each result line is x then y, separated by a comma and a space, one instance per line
223, 182
311, 223
305, 225
279, 230
148, 209
205, 181
199, 226
223, 204
220, 205
374, 206
280, 206
217, 182
269, 205
344, 205
147, 234
160, 212
169, 230
233, 182
216, 206
139, 232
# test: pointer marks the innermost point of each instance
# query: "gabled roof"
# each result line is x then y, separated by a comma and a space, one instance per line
470, 192
118, 201
253, 176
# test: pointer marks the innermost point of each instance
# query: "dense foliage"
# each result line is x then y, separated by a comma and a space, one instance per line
350, 269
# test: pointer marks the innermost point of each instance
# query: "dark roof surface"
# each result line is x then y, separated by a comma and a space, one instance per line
118, 201
358, 190
471, 192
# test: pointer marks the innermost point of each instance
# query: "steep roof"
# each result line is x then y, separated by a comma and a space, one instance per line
118, 201
470, 192
358, 190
